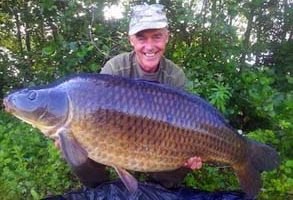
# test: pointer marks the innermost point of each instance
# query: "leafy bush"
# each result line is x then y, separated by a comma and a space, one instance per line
277, 184
55, 41
212, 178
30, 165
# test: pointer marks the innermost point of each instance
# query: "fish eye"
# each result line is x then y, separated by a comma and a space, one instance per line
32, 95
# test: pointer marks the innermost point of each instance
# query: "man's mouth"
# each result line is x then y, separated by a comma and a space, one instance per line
150, 55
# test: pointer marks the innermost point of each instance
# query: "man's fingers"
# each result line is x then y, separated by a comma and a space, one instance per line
57, 144
193, 163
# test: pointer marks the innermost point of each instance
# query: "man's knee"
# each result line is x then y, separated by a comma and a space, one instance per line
170, 179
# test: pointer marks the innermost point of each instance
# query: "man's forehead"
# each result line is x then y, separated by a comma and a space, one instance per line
151, 31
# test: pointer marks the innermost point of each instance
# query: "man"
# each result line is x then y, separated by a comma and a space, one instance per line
148, 34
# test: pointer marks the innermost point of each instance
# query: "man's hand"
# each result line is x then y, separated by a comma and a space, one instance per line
193, 163
57, 144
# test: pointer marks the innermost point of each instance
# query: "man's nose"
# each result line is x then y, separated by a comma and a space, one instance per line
149, 45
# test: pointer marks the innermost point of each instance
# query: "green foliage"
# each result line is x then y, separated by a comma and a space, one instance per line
259, 92
41, 41
278, 184
30, 166
212, 178
220, 95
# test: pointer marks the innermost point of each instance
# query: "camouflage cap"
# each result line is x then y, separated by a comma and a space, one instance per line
147, 17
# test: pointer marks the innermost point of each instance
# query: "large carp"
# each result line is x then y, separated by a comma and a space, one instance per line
140, 126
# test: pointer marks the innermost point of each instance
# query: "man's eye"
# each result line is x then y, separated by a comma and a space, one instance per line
158, 37
140, 38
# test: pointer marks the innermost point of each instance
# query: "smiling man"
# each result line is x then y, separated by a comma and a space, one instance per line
148, 35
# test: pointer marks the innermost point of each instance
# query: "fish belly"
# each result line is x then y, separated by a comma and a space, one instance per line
141, 144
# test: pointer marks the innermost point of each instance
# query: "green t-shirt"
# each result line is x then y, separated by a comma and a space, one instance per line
125, 65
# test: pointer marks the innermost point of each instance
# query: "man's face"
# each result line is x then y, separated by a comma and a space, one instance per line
149, 46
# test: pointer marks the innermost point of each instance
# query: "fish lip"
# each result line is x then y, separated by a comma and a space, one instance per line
7, 105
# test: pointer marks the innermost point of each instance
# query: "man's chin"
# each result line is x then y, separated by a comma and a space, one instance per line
150, 68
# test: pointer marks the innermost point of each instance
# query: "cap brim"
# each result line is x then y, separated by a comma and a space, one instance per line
146, 26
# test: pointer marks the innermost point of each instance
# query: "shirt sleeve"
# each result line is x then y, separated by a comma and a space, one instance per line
107, 69
180, 79
175, 75
118, 65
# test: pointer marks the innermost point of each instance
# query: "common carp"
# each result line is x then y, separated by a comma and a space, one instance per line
139, 126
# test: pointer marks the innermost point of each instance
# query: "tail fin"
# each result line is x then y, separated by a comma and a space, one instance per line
260, 158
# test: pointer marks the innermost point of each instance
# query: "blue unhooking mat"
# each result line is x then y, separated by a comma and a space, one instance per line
146, 191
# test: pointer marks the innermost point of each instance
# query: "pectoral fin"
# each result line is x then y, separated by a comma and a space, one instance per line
73, 152
129, 181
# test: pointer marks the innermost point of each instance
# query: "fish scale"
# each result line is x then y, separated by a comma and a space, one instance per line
131, 128
140, 126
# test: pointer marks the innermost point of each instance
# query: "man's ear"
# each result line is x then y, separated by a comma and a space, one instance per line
167, 36
130, 40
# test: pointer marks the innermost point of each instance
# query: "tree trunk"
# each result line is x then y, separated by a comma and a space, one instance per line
27, 29
27, 37
259, 40
214, 14
286, 25
204, 14
247, 36
15, 13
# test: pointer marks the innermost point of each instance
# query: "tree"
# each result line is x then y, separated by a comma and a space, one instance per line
236, 53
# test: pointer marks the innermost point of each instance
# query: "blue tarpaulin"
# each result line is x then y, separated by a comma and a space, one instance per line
115, 190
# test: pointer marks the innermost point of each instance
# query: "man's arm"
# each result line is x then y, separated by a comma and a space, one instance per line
107, 69
180, 79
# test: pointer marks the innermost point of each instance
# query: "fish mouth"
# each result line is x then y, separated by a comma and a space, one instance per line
8, 105
10, 108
